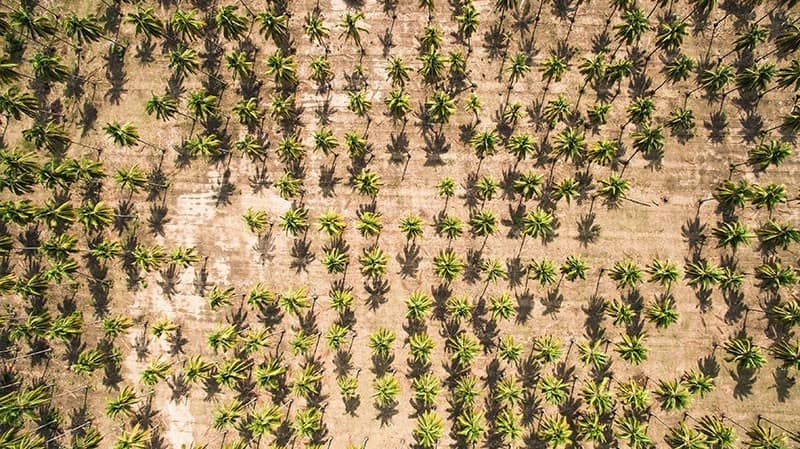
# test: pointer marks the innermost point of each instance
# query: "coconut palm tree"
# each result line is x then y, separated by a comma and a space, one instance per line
325, 141
598, 114
484, 143
420, 346
283, 68
537, 224
183, 62
468, 21
411, 226
570, 144
145, 22
630, 428
509, 426
632, 349
756, 79
426, 388
447, 265
135, 438
789, 39
369, 223
554, 430
156, 371
429, 429
332, 223
547, 349
335, 260
187, 25
30, 24
351, 28
367, 183
16, 103
357, 146
386, 389
164, 107
202, 105
791, 121
502, 306
662, 311
714, 80
556, 110
48, 68
684, 437
432, 68
543, 271
789, 76
232, 25
746, 355
672, 395
373, 262
697, 382
774, 275
122, 404
626, 274
670, 35
315, 28
471, 426
256, 220
440, 107
398, 103
789, 353
772, 152
641, 110
397, 71
634, 25
508, 350
517, 69
777, 235
733, 234
273, 25
483, 223
290, 149
553, 68
431, 39
765, 436
294, 220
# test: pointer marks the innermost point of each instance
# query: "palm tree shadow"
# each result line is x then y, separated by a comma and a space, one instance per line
588, 229
783, 383
409, 260
745, 379
525, 306
386, 413
302, 255
376, 288
552, 302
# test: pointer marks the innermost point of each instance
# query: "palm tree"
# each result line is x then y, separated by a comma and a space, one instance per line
48, 69
440, 107
367, 183
634, 25
632, 349
387, 388
447, 265
290, 149
248, 112
240, 63
483, 223
273, 25
744, 353
256, 220
788, 353
397, 71
697, 382
315, 28
351, 29
411, 226
789, 39
85, 29
769, 196
335, 261
369, 223
202, 105
574, 267
537, 224
264, 421
791, 121
16, 103
283, 68
468, 21
772, 152
32, 25
509, 350
626, 274
630, 428
183, 61
672, 394
295, 301
733, 234
232, 25
294, 220
450, 226
789, 76
509, 426
598, 114
502, 306
357, 146
765, 436
685, 438
518, 69
307, 422
135, 438
715, 80
493, 269
122, 404
146, 22
662, 311
466, 389
187, 25
471, 426
432, 68
156, 371
421, 346
716, 432
431, 39
756, 79
426, 388
163, 106
556, 110
553, 68
124, 135
359, 103
670, 35
641, 110
429, 429
774, 275
543, 271
571, 144
528, 185
567, 188
331, 223
484, 143
554, 430
398, 103
373, 262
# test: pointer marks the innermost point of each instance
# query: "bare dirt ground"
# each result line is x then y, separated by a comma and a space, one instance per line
205, 201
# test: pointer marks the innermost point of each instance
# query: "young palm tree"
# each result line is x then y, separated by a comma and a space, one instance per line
332, 223
367, 183
468, 21
164, 107
429, 429
421, 347
315, 28
633, 26
484, 143
183, 62
146, 22
632, 349
554, 430
483, 223
432, 68
672, 394
398, 103
744, 353
447, 265
232, 25
788, 40
518, 68
788, 353
426, 388
241, 64
373, 262
774, 275
294, 220
387, 388
369, 223
273, 25
509, 351
187, 25
440, 107
733, 234
397, 71
571, 144
684, 437
431, 39
351, 29
598, 114
283, 68
471, 426
553, 68
670, 35
789, 76
464, 349
411, 226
